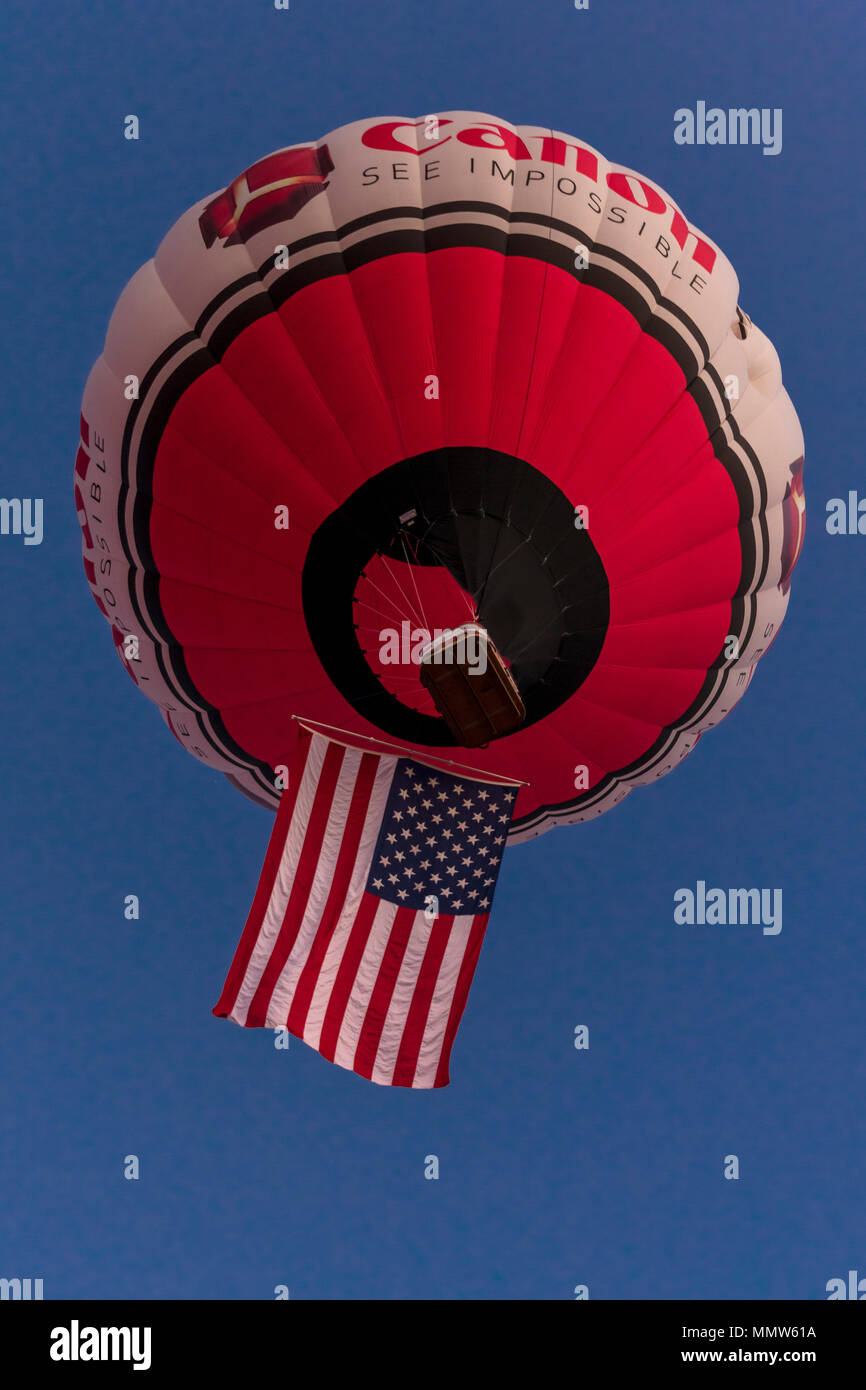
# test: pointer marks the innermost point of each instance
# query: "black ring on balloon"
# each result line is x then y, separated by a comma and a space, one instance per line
509, 537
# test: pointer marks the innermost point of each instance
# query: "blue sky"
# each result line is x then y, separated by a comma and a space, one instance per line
557, 1167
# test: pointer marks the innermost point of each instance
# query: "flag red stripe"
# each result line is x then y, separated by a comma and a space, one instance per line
302, 884
416, 1019
308, 979
380, 999
351, 959
274, 854
458, 1003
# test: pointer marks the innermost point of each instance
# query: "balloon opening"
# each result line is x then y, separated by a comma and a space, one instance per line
457, 536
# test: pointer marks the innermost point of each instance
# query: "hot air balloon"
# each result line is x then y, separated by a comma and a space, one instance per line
424, 384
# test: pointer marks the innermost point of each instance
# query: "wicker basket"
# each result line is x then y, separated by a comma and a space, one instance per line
478, 700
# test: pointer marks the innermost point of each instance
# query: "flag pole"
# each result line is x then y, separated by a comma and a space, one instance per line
478, 772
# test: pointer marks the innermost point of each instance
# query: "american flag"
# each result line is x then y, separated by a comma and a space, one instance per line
371, 908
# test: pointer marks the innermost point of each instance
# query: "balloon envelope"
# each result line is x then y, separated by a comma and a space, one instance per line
422, 373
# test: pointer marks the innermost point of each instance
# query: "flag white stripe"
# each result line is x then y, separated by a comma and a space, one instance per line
281, 998
334, 955
430, 1050
365, 982
401, 1000
276, 909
